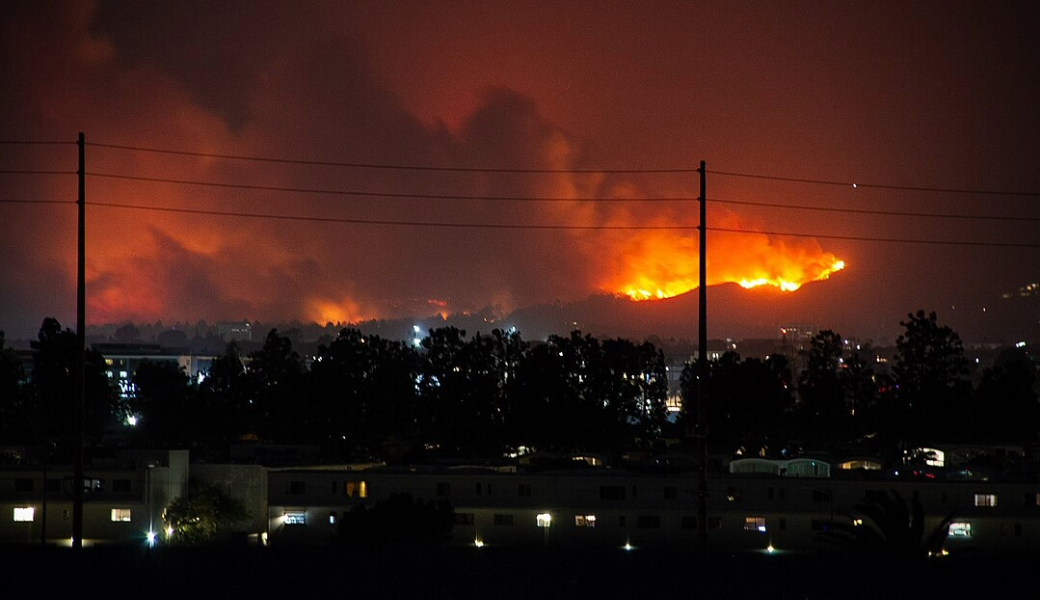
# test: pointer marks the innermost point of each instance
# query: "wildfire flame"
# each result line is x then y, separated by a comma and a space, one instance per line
659, 267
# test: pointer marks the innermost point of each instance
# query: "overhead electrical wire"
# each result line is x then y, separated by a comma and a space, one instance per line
674, 170
270, 188
854, 184
888, 213
549, 227
16, 201
37, 143
518, 198
35, 172
541, 198
357, 165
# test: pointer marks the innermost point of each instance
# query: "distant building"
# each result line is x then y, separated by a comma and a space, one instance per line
235, 331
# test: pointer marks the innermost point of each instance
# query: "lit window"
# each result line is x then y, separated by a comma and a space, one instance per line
24, 514
357, 489
733, 494
985, 499
296, 517
121, 515
544, 519
755, 524
584, 520
960, 530
332, 517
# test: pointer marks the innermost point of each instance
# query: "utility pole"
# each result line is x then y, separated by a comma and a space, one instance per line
81, 354
700, 419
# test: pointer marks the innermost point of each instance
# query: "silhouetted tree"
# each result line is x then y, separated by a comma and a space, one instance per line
275, 375
747, 403
821, 408
53, 383
364, 394
930, 374
225, 396
198, 518
15, 413
162, 399
896, 529
1006, 408
860, 386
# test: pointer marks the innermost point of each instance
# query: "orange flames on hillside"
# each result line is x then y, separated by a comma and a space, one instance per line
658, 267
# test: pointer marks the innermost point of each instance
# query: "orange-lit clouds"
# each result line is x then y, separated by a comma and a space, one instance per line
532, 87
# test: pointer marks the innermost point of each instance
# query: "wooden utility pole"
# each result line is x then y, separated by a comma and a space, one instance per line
81, 357
700, 418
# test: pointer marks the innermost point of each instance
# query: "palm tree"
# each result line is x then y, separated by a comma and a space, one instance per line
897, 529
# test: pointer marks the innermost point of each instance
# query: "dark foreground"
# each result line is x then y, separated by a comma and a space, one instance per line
498, 573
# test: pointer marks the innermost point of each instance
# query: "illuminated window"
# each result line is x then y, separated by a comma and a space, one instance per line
121, 515
985, 499
24, 514
544, 520
1035, 499
295, 517
755, 524
584, 520
356, 489
733, 494
960, 530
332, 517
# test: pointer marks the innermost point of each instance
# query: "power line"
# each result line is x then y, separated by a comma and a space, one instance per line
387, 222
853, 184
544, 199
35, 172
674, 170
16, 201
36, 143
550, 227
876, 212
321, 163
271, 188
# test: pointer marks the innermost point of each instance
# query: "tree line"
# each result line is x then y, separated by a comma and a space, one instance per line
362, 397
845, 400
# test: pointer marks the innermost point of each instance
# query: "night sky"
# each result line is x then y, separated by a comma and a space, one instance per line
526, 120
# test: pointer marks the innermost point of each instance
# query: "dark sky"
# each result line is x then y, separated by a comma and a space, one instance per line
906, 99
